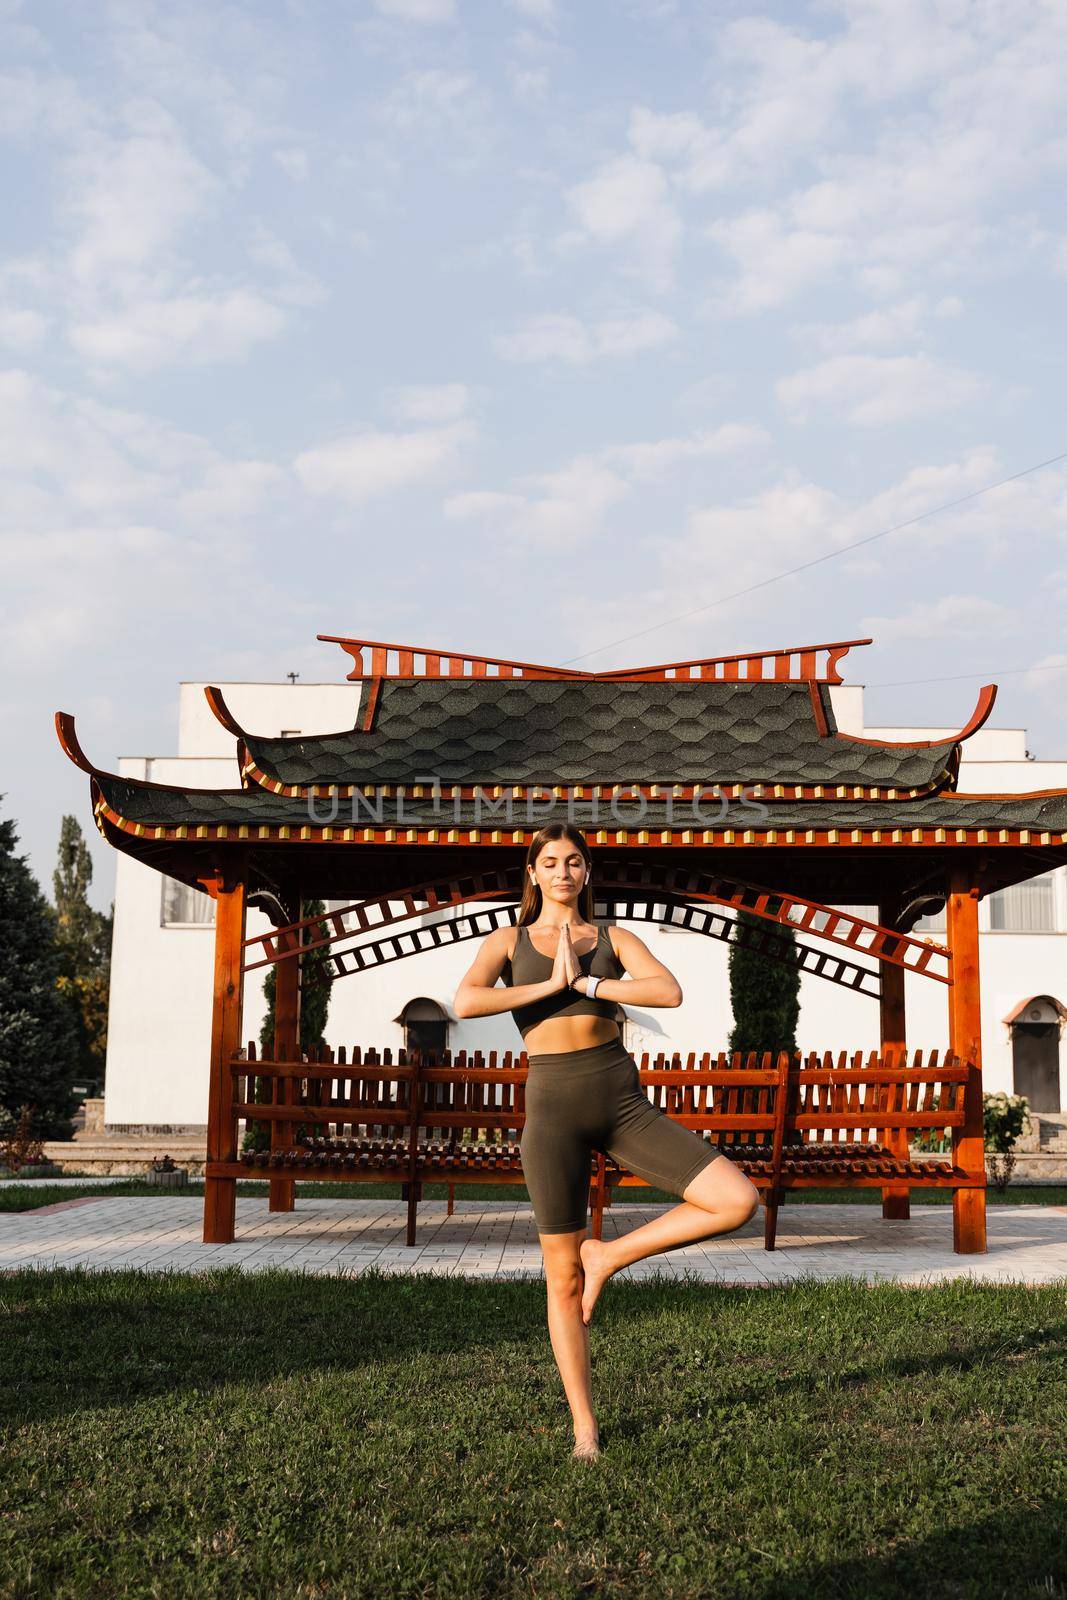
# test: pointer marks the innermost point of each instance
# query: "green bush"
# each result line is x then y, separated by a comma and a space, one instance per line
1007, 1117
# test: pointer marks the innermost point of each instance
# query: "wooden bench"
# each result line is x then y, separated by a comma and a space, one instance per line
851, 1124
788, 1123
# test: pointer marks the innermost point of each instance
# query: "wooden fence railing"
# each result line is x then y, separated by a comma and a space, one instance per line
789, 1122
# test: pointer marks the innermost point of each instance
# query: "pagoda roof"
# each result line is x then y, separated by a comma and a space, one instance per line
618, 754
165, 811
491, 731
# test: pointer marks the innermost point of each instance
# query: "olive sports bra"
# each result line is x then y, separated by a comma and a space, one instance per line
528, 965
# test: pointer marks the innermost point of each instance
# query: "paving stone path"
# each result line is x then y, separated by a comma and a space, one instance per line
1026, 1244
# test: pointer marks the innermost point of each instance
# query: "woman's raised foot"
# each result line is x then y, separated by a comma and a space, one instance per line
597, 1269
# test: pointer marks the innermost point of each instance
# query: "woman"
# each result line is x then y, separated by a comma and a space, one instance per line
565, 985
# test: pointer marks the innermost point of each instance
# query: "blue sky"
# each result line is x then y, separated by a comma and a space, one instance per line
520, 328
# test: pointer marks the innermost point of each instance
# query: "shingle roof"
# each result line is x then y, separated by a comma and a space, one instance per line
154, 806
492, 731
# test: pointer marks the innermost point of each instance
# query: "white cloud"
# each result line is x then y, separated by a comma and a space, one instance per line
443, 402
66, 455
20, 330
644, 461
433, 100
137, 170
418, 10
112, 517
294, 163
627, 202
728, 546
773, 262
956, 616
291, 285
873, 391
130, 198
891, 325
632, 335
193, 329
530, 86
552, 336
361, 465
481, 503
1046, 681
542, 11
558, 336
887, 142
558, 508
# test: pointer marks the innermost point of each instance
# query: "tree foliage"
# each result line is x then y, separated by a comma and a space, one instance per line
765, 995
38, 1037
83, 940
315, 982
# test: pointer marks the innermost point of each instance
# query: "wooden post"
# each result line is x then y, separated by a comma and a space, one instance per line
596, 1195
965, 1039
895, 1196
286, 1048
786, 1095
220, 1194
415, 1102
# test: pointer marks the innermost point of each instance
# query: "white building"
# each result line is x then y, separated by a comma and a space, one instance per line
162, 964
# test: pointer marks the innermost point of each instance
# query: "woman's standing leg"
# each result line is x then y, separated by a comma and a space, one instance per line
567, 1331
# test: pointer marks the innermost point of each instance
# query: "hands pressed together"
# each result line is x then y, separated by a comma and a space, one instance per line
565, 968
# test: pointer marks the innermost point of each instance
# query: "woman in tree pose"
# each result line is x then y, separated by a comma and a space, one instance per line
563, 978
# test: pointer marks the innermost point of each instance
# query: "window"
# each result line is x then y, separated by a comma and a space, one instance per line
182, 907
1025, 907
935, 923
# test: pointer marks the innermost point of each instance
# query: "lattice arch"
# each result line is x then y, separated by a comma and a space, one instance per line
674, 897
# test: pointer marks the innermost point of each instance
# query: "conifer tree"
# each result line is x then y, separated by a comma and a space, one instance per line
315, 982
38, 1039
83, 939
764, 994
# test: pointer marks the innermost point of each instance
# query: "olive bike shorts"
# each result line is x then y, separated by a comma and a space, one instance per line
578, 1101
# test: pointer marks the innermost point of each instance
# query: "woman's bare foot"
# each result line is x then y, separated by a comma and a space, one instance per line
597, 1269
586, 1446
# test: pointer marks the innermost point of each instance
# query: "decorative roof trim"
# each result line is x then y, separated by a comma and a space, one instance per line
987, 696
221, 711
818, 710
796, 663
733, 789
309, 833
370, 711
71, 744
437, 663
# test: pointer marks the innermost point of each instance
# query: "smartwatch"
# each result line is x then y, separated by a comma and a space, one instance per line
594, 984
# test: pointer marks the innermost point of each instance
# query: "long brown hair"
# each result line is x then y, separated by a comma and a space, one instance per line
530, 904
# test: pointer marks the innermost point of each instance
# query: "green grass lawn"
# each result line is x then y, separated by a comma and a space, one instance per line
40, 1192
266, 1435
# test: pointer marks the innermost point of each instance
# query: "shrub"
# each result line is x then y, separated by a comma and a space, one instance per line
19, 1147
1005, 1117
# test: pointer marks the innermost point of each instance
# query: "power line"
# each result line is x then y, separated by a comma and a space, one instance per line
957, 677
831, 555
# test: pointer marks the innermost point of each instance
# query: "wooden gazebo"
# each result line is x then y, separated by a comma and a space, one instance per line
702, 786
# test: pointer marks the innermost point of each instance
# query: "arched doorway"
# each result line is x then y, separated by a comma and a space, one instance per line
425, 1025
1036, 1026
